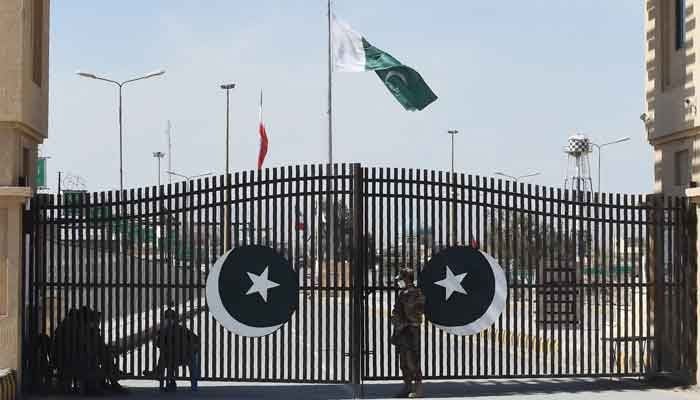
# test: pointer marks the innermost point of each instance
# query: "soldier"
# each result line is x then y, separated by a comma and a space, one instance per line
178, 346
406, 317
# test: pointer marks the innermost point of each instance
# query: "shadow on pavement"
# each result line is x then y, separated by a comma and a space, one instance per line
496, 388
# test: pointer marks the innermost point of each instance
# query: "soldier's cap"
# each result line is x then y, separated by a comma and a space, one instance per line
405, 274
170, 315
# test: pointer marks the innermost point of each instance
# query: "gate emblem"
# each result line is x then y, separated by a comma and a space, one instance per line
465, 290
252, 290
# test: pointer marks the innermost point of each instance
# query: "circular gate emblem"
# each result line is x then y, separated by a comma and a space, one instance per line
465, 290
252, 290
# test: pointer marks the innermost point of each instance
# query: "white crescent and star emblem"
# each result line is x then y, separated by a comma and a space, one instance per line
261, 284
465, 290
397, 74
452, 283
252, 290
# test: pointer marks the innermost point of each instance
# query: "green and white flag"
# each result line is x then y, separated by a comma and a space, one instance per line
353, 53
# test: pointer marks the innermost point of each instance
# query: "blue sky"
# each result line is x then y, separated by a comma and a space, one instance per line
516, 78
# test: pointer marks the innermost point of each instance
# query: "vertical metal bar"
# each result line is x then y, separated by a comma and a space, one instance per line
627, 271
338, 255
131, 282
435, 228
308, 269
294, 370
287, 227
464, 234
358, 272
317, 245
674, 287
51, 264
275, 242
589, 291
573, 265
119, 261
618, 279
640, 285
479, 202
207, 223
608, 279
344, 281
502, 254
603, 289
385, 351
146, 267
331, 260
532, 260
113, 234
494, 243
524, 217
242, 229
142, 286
549, 277
376, 367
690, 220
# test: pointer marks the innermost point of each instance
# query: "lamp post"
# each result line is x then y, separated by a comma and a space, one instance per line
600, 148
158, 155
227, 212
516, 178
452, 133
121, 85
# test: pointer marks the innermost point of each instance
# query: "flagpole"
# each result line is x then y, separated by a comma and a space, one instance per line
330, 205
330, 91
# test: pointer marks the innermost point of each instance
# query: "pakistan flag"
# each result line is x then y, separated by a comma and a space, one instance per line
353, 53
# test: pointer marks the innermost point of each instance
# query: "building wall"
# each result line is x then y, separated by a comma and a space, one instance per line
24, 88
24, 94
671, 101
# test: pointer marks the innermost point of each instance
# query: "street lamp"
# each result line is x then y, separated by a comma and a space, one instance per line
227, 87
452, 134
158, 155
600, 148
188, 178
227, 212
516, 178
120, 85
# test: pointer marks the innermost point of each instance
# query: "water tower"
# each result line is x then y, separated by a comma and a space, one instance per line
578, 165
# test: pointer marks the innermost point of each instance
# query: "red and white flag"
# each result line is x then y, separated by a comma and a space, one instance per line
263, 136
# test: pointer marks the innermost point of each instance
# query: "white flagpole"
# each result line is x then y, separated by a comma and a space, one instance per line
330, 205
330, 90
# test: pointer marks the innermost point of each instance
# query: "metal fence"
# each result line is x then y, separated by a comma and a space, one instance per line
599, 285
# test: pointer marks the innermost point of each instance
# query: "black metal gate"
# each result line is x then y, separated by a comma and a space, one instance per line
599, 285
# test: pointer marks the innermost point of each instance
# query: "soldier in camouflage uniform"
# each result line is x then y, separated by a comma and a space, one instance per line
406, 318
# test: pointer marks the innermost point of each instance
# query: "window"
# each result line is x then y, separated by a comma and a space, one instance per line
38, 41
681, 168
680, 23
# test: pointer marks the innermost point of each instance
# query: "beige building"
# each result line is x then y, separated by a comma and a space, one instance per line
24, 94
24, 87
671, 100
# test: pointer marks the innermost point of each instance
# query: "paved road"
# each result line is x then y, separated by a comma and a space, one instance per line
502, 389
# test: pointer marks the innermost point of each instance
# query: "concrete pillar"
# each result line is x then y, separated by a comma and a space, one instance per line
12, 200
694, 197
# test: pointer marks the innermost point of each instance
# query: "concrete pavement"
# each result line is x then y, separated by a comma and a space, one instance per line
483, 390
